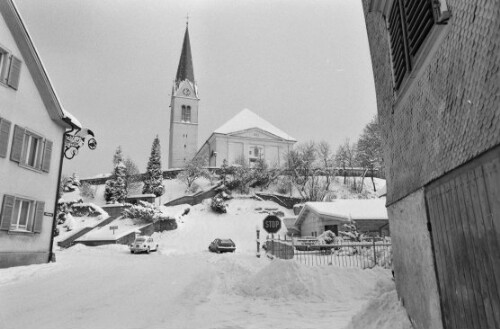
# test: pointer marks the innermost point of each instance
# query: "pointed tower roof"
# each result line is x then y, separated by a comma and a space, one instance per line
185, 69
247, 119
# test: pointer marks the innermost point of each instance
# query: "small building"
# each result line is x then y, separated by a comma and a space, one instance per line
315, 218
246, 136
33, 126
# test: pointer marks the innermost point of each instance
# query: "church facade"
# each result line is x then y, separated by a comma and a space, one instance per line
246, 137
183, 138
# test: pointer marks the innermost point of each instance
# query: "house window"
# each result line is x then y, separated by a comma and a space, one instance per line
23, 211
31, 150
21, 214
410, 23
186, 113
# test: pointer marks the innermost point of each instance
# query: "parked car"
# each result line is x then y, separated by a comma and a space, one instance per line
143, 243
222, 245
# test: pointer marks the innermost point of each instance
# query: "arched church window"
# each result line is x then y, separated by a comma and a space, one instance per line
186, 113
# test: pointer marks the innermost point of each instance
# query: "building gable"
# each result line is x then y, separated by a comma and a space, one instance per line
256, 133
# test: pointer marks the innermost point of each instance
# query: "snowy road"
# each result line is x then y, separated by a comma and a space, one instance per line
184, 286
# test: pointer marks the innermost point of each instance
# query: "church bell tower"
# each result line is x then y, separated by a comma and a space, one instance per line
183, 142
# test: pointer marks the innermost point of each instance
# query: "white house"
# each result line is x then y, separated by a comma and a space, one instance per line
246, 136
315, 218
32, 128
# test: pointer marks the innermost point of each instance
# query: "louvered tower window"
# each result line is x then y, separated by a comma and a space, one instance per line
410, 22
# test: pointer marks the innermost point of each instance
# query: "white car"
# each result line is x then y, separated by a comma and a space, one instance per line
143, 243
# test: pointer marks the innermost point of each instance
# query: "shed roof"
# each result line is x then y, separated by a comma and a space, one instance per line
355, 209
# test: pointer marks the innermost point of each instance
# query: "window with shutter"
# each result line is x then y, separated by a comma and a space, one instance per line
410, 22
14, 72
4, 136
31, 150
21, 214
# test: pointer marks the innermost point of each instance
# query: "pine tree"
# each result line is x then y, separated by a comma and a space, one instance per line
153, 180
118, 156
115, 190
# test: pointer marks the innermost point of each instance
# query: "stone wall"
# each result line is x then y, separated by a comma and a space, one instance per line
413, 261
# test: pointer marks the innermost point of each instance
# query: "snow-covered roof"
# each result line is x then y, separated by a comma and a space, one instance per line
347, 209
352, 208
72, 118
247, 119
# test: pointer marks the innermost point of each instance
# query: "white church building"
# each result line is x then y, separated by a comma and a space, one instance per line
246, 136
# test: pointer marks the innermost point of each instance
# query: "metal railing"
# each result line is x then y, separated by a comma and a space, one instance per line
340, 253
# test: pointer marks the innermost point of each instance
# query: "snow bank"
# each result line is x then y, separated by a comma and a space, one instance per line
286, 279
383, 311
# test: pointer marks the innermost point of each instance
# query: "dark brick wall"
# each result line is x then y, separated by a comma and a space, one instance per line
452, 112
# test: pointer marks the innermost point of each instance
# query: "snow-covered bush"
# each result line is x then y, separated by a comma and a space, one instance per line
145, 211
351, 232
327, 237
218, 204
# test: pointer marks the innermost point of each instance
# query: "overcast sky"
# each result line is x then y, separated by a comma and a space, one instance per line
302, 65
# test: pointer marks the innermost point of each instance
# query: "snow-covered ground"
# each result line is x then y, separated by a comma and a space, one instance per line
184, 286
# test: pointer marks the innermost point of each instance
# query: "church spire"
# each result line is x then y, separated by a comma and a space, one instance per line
185, 69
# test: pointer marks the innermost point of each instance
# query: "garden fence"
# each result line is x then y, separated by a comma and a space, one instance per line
342, 253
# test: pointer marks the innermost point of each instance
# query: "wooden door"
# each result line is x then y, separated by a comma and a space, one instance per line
464, 216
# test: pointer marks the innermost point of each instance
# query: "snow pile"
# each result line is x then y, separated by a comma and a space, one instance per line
384, 311
284, 279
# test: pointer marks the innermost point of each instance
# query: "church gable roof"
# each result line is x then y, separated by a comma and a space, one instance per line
246, 120
185, 69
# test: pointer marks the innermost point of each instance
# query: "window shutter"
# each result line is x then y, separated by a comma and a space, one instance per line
399, 60
47, 155
40, 205
419, 19
17, 144
14, 72
7, 209
4, 137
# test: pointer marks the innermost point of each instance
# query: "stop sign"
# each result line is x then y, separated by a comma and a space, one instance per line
272, 224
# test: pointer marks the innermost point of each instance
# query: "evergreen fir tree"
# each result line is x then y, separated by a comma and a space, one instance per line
118, 156
115, 190
153, 180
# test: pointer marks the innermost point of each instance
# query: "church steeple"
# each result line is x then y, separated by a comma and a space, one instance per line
183, 141
185, 69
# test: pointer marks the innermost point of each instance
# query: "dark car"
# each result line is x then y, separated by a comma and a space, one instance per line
222, 245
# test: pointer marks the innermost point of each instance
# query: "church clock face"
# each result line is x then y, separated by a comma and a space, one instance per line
186, 92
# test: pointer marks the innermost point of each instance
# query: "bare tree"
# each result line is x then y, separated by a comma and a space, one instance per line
346, 158
132, 177
306, 173
370, 148
193, 170
327, 160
